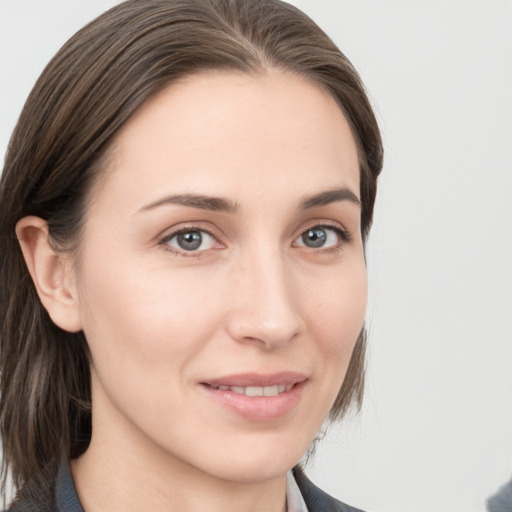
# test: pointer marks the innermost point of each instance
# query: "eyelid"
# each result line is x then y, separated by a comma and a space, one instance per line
325, 223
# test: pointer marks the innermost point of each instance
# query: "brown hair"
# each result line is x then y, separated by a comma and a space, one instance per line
99, 78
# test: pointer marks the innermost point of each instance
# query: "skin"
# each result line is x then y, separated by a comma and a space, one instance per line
255, 298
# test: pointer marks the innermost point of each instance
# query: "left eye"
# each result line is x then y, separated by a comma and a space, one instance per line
192, 240
319, 237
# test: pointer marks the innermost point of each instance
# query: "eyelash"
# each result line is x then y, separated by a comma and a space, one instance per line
344, 237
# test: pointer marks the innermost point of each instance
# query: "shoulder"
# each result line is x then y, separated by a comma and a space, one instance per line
502, 500
50, 491
316, 499
35, 496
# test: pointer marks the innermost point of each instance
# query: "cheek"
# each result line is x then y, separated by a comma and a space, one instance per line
336, 310
143, 319
335, 314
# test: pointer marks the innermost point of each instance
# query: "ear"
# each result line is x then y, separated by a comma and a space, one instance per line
52, 273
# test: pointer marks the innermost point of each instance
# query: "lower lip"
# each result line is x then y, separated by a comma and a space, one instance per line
257, 408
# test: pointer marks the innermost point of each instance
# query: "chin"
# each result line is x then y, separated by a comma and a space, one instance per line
249, 472
255, 461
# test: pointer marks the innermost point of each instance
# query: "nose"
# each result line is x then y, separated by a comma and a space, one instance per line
264, 303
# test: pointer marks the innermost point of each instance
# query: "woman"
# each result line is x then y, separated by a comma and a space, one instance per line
184, 206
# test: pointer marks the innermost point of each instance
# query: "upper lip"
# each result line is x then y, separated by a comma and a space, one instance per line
257, 379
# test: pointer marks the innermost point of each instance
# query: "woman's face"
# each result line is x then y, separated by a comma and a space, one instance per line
221, 278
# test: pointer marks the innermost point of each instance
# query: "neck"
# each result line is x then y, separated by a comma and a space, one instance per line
112, 475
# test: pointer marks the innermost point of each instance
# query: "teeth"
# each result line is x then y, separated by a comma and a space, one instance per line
271, 391
258, 390
254, 391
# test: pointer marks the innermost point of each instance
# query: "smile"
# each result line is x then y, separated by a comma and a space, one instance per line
257, 390
254, 397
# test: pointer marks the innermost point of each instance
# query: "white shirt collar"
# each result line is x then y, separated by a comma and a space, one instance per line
294, 500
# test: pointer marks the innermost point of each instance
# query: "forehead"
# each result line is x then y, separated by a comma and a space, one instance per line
229, 132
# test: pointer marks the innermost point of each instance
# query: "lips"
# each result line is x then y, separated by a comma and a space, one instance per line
257, 380
257, 397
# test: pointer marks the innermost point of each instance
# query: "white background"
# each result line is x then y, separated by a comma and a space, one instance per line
435, 433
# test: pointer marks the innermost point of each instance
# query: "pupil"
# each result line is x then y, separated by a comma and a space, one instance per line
190, 241
314, 237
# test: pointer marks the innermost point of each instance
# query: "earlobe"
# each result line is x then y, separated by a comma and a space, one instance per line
51, 272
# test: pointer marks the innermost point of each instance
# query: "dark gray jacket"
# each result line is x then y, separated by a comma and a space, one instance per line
502, 500
59, 495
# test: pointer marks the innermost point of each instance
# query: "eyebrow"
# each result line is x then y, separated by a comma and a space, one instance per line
328, 197
202, 202
219, 204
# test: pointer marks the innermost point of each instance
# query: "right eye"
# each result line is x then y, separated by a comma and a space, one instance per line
190, 241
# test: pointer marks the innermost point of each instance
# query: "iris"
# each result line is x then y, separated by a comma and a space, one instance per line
315, 237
